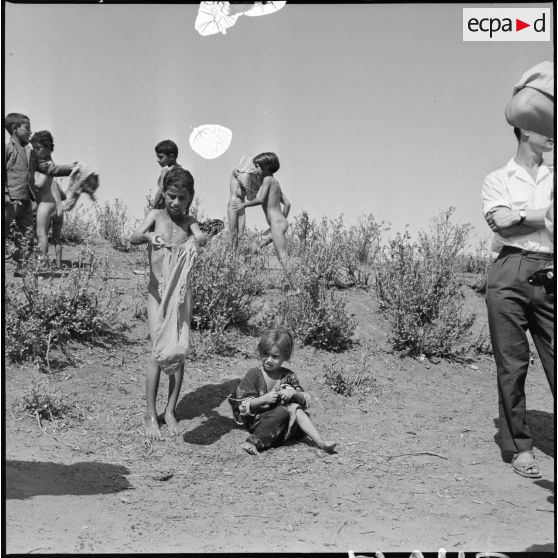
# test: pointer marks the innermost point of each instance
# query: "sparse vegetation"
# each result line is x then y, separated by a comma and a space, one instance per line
224, 287
45, 402
78, 226
42, 316
350, 380
419, 290
114, 225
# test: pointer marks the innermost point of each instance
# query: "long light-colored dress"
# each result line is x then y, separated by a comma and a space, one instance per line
172, 332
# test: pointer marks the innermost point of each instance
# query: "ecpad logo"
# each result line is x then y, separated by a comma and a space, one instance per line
506, 24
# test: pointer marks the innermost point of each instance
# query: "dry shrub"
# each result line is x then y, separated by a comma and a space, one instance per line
420, 292
48, 314
78, 226
43, 401
224, 287
341, 255
317, 315
352, 379
113, 224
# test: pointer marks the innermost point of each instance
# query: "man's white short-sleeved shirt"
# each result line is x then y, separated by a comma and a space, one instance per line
513, 187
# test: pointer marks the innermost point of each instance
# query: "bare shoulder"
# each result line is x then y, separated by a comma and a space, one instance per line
272, 182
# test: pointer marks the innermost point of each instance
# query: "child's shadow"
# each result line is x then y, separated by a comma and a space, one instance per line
203, 402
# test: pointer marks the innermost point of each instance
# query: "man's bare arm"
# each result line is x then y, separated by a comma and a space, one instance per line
506, 221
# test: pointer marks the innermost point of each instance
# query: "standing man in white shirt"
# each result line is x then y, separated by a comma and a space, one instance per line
516, 199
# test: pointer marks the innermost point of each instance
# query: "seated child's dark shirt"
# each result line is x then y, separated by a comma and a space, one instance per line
254, 385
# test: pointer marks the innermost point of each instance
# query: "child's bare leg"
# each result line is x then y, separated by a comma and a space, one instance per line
305, 424
278, 235
151, 424
237, 223
175, 383
57, 225
43, 222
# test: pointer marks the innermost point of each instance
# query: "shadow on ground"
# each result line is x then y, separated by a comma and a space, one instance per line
542, 430
25, 479
203, 402
541, 424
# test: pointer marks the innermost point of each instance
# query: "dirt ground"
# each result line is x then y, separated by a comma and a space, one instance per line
417, 464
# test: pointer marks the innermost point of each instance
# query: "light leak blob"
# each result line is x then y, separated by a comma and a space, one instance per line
210, 140
264, 8
216, 17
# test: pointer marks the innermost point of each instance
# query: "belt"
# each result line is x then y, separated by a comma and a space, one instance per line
537, 255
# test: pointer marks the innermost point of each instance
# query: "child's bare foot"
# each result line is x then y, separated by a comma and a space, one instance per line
328, 447
172, 423
152, 430
249, 448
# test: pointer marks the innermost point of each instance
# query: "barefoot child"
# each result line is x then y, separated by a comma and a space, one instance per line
270, 197
49, 198
270, 401
169, 300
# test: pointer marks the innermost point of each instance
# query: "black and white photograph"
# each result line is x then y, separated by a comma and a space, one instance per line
278, 277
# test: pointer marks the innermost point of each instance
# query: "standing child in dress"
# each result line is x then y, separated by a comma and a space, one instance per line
270, 401
170, 234
166, 152
270, 197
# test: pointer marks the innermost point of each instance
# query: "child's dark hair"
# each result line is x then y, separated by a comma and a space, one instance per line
14, 119
517, 132
280, 337
182, 180
168, 147
44, 138
269, 160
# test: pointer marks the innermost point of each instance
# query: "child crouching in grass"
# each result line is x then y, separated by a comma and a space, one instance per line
270, 402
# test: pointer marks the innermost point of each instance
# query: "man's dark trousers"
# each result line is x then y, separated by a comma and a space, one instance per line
514, 306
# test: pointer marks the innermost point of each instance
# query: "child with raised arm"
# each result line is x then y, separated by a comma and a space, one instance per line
170, 235
270, 402
166, 152
21, 162
49, 198
270, 197
245, 182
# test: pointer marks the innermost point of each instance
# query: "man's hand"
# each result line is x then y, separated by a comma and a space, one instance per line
502, 218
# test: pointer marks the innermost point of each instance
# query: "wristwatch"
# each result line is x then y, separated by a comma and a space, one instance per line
522, 216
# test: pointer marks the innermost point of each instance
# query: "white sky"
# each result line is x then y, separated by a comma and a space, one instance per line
371, 108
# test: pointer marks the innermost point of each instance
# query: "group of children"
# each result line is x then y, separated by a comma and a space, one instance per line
269, 402
33, 198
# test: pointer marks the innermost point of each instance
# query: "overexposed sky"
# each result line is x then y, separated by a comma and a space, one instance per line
371, 108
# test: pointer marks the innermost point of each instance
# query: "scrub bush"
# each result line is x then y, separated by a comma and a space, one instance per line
224, 287
41, 316
419, 290
114, 225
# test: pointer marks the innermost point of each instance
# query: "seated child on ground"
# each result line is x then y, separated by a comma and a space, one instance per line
170, 234
270, 402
